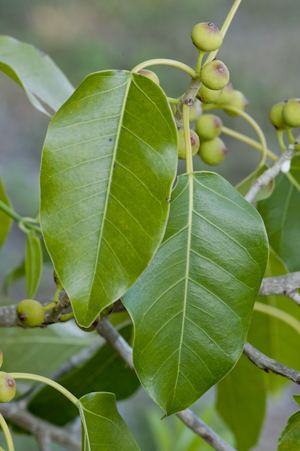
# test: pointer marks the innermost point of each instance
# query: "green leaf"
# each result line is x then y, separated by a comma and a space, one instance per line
17, 273
5, 221
290, 437
103, 426
244, 186
109, 162
200, 286
33, 263
103, 371
35, 72
272, 336
241, 402
281, 214
39, 351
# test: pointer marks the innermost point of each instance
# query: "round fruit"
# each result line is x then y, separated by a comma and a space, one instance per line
195, 110
30, 313
206, 36
215, 75
208, 127
149, 74
291, 113
213, 152
226, 94
195, 142
237, 100
207, 95
7, 387
276, 115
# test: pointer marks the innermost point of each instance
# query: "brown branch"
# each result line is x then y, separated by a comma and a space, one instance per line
280, 285
267, 364
16, 413
187, 416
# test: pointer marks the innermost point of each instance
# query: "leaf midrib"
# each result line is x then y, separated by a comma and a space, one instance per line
118, 134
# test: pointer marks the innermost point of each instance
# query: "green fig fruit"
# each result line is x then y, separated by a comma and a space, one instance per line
207, 95
195, 142
7, 387
30, 313
215, 75
291, 113
208, 127
213, 152
276, 115
206, 36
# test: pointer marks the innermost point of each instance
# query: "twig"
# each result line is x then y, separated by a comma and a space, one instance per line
267, 364
280, 285
16, 413
187, 416
270, 174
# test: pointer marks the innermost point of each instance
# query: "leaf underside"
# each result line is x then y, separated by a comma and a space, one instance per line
108, 165
192, 306
43, 82
104, 429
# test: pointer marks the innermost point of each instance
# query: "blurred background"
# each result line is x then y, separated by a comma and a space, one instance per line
263, 53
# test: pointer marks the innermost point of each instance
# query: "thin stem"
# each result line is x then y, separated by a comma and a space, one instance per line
45, 380
290, 135
187, 138
278, 314
226, 25
7, 434
280, 139
173, 100
166, 62
245, 139
10, 212
66, 317
28, 223
249, 120
199, 62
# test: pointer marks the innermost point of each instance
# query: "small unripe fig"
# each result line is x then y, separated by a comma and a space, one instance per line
291, 113
195, 142
215, 75
7, 387
276, 115
195, 110
30, 313
206, 36
226, 94
149, 74
207, 95
213, 152
208, 127
238, 100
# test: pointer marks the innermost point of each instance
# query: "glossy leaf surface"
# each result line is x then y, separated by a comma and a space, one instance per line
199, 288
290, 437
33, 263
35, 72
104, 428
5, 221
103, 371
109, 161
281, 214
241, 402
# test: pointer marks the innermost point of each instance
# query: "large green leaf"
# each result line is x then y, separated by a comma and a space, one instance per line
103, 371
5, 221
271, 335
109, 162
104, 429
241, 402
290, 437
35, 72
33, 263
192, 307
281, 214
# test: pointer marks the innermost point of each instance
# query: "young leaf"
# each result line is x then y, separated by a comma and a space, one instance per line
103, 427
199, 288
33, 263
281, 214
241, 402
103, 371
5, 221
35, 72
290, 437
17, 273
108, 165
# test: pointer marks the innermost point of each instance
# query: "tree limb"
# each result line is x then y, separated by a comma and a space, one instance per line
270, 174
280, 285
187, 416
16, 413
267, 364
